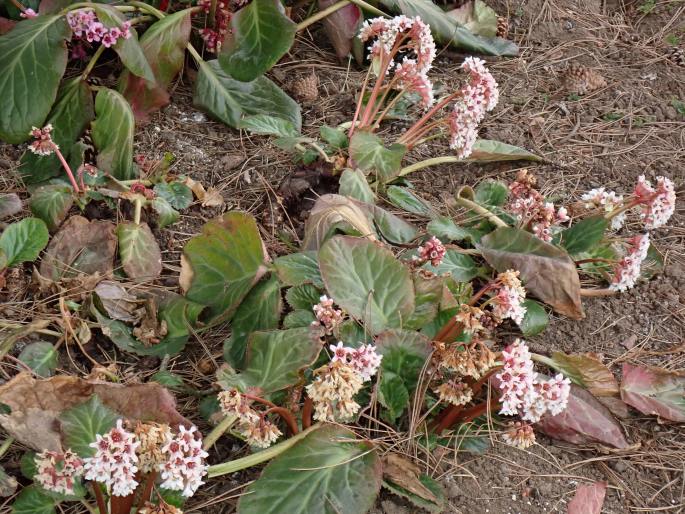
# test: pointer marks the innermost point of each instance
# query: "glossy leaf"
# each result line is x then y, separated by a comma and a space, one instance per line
342, 475
221, 265
654, 391
10, 204
166, 214
32, 500
403, 198
302, 297
33, 57
535, 320
260, 310
445, 228
428, 291
181, 316
547, 272
299, 268
70, 116
587, 371
336, 213
353, 183
298, 319
168, 379
177, 194
82, 423
112, 133
51, 204
584, 235
228, 99
486, 150
462, 267
589, 499
392, 228
367, 281
41, 357
23, 241
370, 154
341, 27
476, 17
139, 252
491, 192
261, 34
163, 46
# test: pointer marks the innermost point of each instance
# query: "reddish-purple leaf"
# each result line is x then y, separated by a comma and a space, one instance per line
585, 420
654, 391
341, 26
6, 25
164, 47
588, 499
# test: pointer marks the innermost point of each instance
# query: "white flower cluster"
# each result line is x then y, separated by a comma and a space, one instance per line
658, 205
184, 465
57, 472
508, 302
364, 360
326, 315
627, 271
115, 461
607, 200
257, 430
333, 391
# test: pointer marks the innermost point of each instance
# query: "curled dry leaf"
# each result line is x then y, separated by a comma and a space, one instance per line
117, 302
8, 484
35, 405
588, 499
335, 211
405, 474
207, 197
654, 391
10, 204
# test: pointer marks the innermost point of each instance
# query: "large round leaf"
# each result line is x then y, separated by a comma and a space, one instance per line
370, 154
82, 423
139, 251
32, 500
113, 130
328, 472
367, 281
33, 57
51, 203
23, 241
261, 35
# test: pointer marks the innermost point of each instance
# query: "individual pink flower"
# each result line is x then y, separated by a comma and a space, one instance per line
185, 462
432, 251
28, 13
57, 472
108, 40
125, 31
214, 37
627, 270
95, 31
657, 204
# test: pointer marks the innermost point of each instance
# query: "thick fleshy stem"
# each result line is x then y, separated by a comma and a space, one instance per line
597, 292
99, 498
478, 410
307, 413
147, 492
122, 504
482, 211
218, 431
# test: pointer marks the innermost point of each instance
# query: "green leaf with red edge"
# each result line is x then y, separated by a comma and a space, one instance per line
129, 50
654, 391
163, 45
113, 131
332, 471
587, 371
140, 255
342, 26
70, 116
261, 34
33, 57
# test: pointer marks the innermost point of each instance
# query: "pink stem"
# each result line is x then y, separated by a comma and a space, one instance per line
66, 167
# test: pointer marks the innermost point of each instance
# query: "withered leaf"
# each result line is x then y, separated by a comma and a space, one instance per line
118, 303
588, 499
405, 474
336, 212
587, 370
654, 391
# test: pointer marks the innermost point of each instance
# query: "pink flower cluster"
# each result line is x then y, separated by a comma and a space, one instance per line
185, 462
607, 200
57, 472
363, 360
326, 315
115, 461
523, 392
28, 13
479, 95
432, 251
43, 144
657, 204
214, 37
508, 301
85, 25
627, 271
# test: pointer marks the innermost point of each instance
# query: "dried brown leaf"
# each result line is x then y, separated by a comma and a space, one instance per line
404, 473
588, 499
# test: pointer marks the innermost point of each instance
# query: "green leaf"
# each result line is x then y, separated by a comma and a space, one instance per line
180, 316
275, 359
177, 194
486, 150
82, 423
69, 117
367, 281
492, 193
129, 50
32, 500
444, 228
304, 296
168, 379
404, 355
139, 252
260, 310
404, 199
299, 268
221, 265
228, 99
166, 214
112, 133
261, 35
653, 264
584, 235
477, 17
535, 320
370, 154
298, 319
393, 228
446, 30
334, 137
353, 183
41, 357
462, 267
23, 241
33, 57
428, 291
268, 125
163, 46
331, 470
51, 204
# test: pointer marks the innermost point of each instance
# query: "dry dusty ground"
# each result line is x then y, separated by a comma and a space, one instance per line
632, 126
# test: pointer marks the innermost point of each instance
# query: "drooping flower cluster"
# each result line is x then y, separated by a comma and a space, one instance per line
43, 144
184, 464
627, 270
432, 251
455, 391
326, 315
332, 391
85, 25
115, 461
364, 360
58, 472
508, 301
257, 430
520, 435
657, 204
522, 392
609, 201
214, 37
531, 209
479, 95
473, 360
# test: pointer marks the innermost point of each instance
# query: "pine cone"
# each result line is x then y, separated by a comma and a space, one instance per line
581, 79
677, 55
306, 88
502, 27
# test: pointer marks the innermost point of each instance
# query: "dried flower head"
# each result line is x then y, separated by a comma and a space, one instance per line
469, 318
257, 430
152, 437
627, 270
520, 435
185, 465
531, 209
58, 472
333, 391
262, 434
43, 144
162, 508
455, 392
326, 315
657, 204
432, 251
